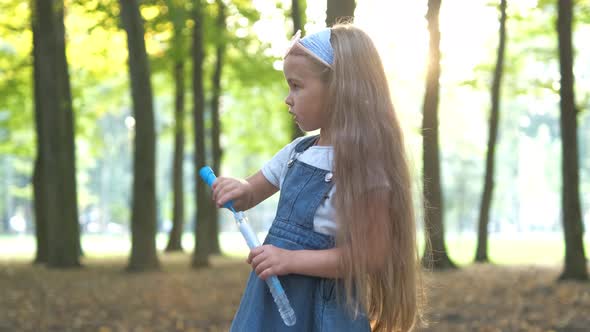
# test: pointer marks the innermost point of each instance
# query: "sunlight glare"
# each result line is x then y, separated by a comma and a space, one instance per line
399, 30
466, 40
271, 27
149, 12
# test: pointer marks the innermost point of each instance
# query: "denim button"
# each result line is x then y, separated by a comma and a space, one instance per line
290, 163
328, 177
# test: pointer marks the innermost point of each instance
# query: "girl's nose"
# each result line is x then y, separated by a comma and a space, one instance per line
289, 100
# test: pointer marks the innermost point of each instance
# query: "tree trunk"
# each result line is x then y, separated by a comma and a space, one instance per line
435, 255
202, 227
6, 197
340, 10
298, 16
67, 140
40, 215
143, 214
481, 254
178, 17
38, 180
175, 238
56, 205
575, 260
216, 150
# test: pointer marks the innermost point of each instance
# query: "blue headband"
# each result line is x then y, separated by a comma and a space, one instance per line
318, 44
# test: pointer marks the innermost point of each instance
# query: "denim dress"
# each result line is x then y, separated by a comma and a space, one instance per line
313, 299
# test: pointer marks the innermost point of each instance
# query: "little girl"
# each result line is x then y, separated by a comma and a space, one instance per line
343, 241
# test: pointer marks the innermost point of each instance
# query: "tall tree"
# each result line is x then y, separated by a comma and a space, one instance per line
216, 150
481, 254
298, 16
68, 138
338, 10
39, 182
202, 227
55, 199
575, 259
178, 17
143, 214
435, 250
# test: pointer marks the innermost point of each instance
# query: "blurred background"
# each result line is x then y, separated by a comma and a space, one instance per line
243, 43
108, 107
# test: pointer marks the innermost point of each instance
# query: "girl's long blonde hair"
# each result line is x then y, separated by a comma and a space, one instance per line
371, 169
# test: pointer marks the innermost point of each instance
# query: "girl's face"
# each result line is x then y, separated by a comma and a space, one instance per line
307, 93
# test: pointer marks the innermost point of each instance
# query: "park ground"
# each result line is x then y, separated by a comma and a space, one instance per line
102, 297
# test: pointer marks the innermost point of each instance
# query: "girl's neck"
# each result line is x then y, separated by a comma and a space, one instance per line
323, 140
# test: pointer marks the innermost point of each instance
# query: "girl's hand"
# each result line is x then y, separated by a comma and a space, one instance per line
268, 260
227, 189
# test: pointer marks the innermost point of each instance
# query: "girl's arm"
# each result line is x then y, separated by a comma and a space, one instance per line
244, 193
317, 263
261, 188
373, 252
268, 260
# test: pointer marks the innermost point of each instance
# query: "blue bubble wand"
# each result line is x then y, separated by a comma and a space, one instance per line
276, 289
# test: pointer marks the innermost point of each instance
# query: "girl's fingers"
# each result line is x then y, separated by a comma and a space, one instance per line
222, 195
254, 253
219, 181
265, 274
263, 268
257, 260
266, 270
228, 189
219, 186
227, 196
263, 262
233, 192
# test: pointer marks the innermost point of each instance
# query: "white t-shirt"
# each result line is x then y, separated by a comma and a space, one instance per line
318, 156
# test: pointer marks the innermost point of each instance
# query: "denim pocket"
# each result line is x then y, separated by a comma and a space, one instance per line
328, 290
282, 243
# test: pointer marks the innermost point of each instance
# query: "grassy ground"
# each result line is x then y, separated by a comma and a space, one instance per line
102, 297
518, 294
534, 249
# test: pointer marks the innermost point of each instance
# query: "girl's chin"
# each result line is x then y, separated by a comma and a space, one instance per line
299, 124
